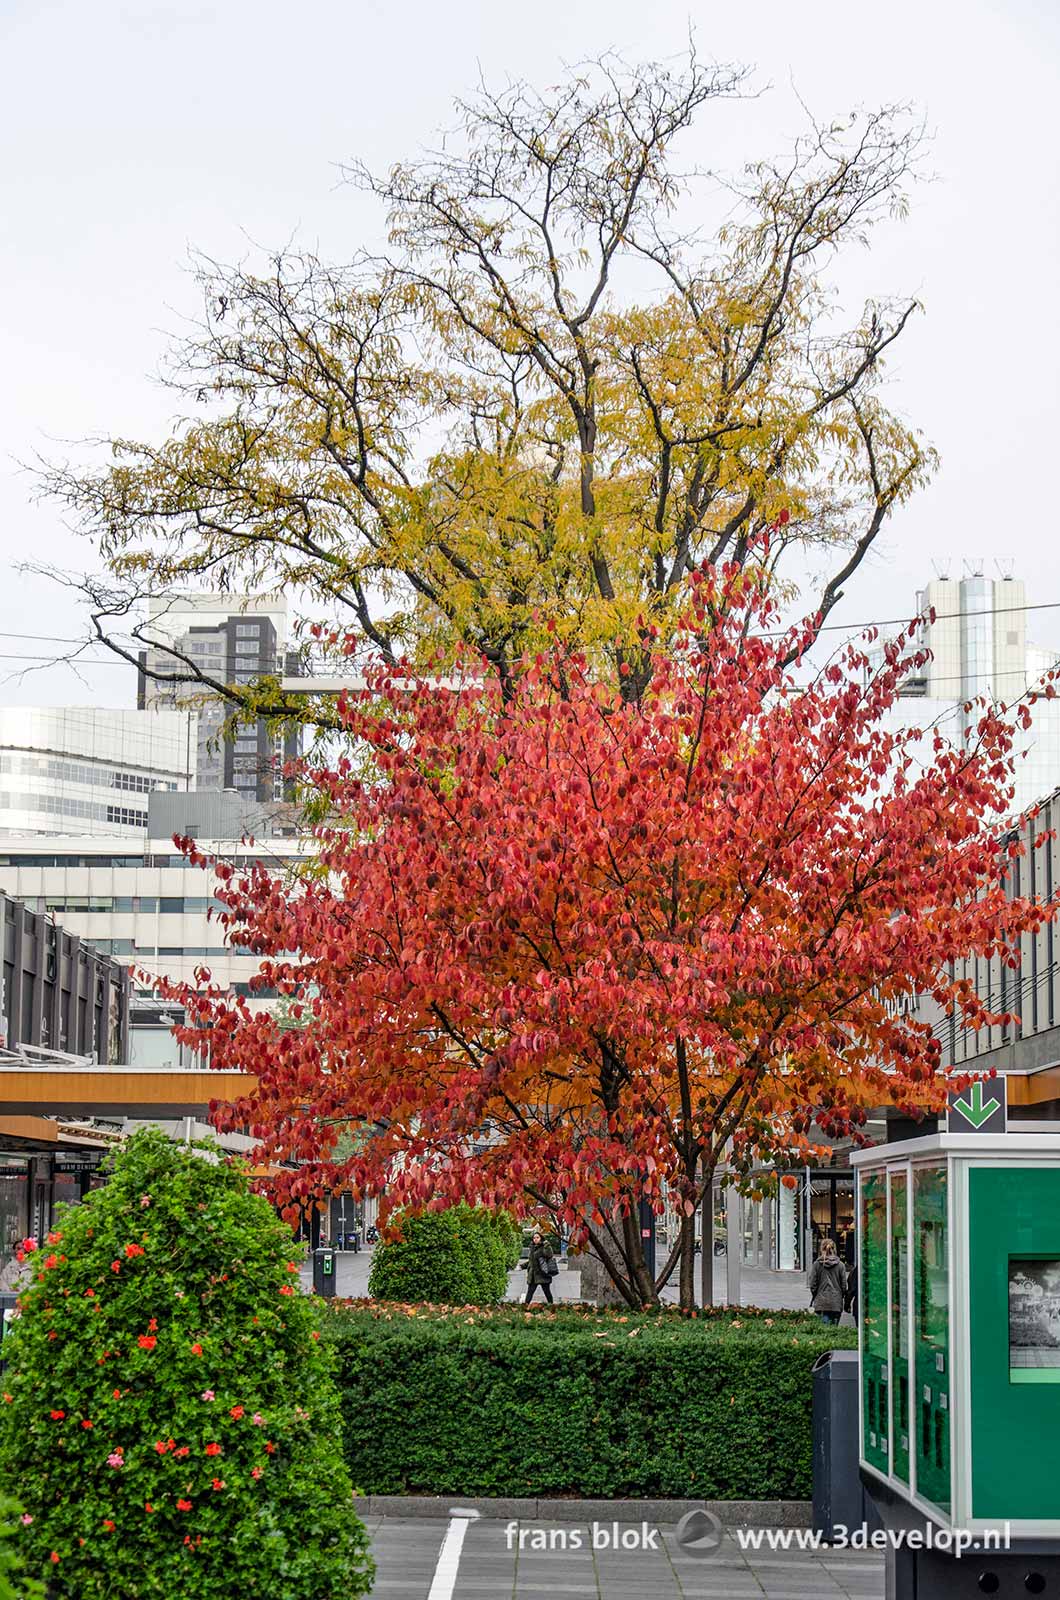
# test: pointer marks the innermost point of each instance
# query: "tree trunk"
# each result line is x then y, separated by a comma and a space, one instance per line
706, 1263
688, 1263
641, 1280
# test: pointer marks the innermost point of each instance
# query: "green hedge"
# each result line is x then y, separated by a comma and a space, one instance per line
459, 1257
578, 1402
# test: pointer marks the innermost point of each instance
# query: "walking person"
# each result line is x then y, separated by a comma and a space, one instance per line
541, 1268
828, 1284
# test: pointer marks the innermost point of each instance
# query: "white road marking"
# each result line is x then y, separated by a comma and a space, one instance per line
444, 1581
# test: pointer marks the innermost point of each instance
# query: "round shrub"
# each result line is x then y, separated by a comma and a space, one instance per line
454, 1257
485, 1251
169, 1416
427, 1262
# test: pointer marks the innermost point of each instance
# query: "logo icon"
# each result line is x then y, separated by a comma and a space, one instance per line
699, 1534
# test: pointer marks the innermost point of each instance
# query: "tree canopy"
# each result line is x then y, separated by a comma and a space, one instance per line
567, 946
577, 372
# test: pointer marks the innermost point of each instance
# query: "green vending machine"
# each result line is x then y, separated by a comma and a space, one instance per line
959, 1321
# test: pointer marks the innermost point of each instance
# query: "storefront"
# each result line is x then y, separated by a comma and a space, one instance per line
33, 1182
783, 1230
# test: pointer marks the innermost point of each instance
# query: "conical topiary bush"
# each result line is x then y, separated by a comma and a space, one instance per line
168, 1417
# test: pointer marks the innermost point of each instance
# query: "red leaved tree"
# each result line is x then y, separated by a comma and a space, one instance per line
570, 949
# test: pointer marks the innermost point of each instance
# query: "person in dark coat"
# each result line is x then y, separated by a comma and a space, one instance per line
828, 1284
540, 1269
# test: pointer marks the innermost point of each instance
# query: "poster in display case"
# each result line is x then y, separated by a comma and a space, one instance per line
1034, 1319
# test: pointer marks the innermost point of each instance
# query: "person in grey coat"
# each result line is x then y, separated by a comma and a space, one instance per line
828, 1284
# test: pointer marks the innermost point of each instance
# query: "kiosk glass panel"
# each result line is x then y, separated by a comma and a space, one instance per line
872, 1298
932, 1335
900, 1372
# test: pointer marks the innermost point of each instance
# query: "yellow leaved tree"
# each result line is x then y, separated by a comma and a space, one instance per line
556, 393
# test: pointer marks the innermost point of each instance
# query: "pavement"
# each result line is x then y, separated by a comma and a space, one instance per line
490, 1565
773, 1291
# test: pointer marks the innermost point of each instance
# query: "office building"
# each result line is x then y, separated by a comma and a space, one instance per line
137, 899
1026, 1052
89, 770
236, 642
979, 649
58, 992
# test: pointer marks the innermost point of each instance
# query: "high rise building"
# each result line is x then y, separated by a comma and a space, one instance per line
235, 641
979, 649
978, 639
89, 770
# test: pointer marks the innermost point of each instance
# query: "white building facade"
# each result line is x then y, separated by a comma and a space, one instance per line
979, 649
88, 770
138, 900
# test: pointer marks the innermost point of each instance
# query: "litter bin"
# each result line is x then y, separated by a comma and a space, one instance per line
838, 1496
324, 1270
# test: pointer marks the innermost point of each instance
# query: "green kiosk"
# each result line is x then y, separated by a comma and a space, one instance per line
959, 1316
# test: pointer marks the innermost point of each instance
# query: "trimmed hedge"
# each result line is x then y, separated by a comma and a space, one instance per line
458, 1257
574, 1401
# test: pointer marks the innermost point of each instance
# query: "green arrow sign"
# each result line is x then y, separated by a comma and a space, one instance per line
974, 1110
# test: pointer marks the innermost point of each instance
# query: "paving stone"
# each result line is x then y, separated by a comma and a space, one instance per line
407, 1549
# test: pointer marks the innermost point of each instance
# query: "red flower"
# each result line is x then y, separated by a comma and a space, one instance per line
108, 1524
51, 1261
218, 1483
7, 1398
148, 1506
161, 1446
134, 1250
285, 1288
53, 1334
90, 1294
115, 1266
55, 1556
255, 1472
236, 1412
87, 1423
183, 1505
270, 1447
147, 1341
196, 1349
183, 1451
315, 1335
152, 1326
57, 1416
115, 1394
213, 1449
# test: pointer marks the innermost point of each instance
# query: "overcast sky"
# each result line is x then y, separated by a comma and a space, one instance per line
133, 133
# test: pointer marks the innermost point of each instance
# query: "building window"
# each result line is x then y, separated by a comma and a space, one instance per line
127, 817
